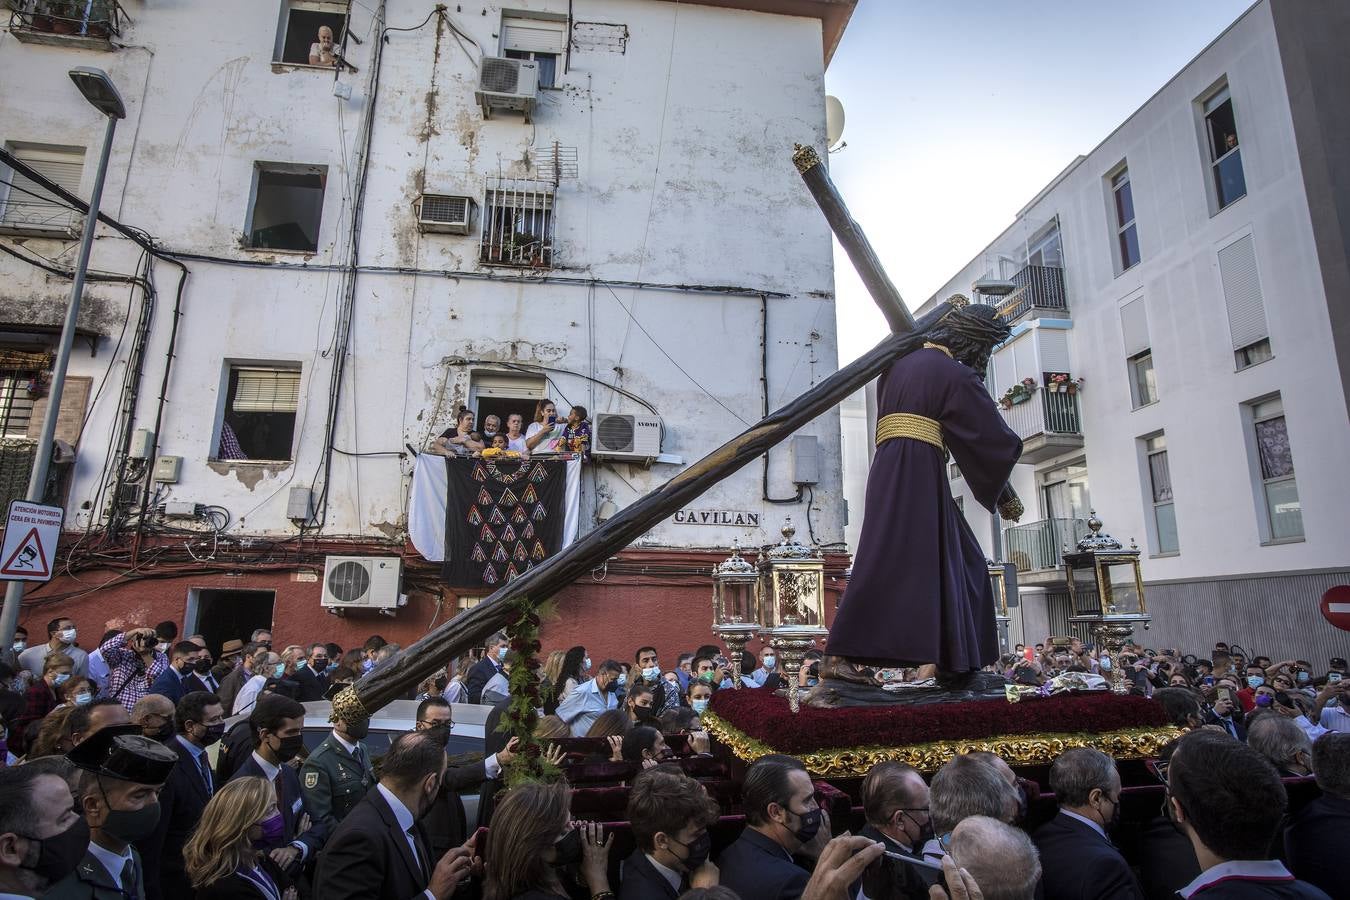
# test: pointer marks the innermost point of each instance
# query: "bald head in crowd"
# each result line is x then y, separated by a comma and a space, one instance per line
1000, 858
154, 713
969, 786
1281, 741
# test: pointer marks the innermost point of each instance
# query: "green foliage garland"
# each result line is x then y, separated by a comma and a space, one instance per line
521, 715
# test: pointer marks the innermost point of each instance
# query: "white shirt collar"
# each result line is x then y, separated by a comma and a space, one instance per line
1085, 820
1238, 870
111, 861
667, 872
350, 748
269, 770
402, 814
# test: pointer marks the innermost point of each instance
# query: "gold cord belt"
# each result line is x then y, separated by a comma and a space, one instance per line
910, 425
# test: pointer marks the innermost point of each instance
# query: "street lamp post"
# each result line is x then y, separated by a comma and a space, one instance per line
98, 89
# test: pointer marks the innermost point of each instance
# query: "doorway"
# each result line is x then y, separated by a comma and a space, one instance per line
223, 615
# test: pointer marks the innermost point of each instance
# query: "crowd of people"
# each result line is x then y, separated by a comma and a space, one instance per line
548, 433
150, 768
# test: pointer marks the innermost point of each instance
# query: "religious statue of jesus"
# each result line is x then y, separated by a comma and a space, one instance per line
920, 591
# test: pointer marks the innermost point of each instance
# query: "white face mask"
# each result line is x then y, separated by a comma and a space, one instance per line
586, 664
20, 646
769, 661
67, 636
651, 673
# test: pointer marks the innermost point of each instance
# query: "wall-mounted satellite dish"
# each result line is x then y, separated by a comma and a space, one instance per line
834, 120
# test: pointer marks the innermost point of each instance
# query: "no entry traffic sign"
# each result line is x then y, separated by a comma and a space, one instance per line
1336, 606
31, 534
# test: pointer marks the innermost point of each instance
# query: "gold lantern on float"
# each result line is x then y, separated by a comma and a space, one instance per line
1106, 592
735, 592
791, 603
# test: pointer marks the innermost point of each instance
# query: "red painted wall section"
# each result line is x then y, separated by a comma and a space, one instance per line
611, 617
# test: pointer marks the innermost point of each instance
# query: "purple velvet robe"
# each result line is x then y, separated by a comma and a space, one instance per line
920, 590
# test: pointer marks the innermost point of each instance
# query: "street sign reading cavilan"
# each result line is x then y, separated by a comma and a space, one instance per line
740, 517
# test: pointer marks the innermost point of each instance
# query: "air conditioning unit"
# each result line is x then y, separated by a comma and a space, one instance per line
507, 84
361, 582
623, 436
445, 213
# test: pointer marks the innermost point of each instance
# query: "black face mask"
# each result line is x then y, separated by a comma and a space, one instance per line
357, 731
645, 714
59, 854
289, 747
696, 852
213, 734
810, 825
132, 825
202, 666
161, 734
567, 849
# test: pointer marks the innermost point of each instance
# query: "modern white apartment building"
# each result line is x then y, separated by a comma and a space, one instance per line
1191, 270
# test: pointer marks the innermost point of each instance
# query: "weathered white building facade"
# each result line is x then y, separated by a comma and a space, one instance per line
639, 242
1192, 271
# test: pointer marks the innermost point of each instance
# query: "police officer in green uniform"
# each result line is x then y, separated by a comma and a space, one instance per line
337, 774
122, 772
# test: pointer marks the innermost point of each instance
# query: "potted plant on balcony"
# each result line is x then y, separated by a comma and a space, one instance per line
100, 21
1018, 393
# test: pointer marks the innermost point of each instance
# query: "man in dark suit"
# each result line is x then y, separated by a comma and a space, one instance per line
180, 677
276, 723
781, 818
895, 802
488, 666
312, 676
200, 721
232, 682
1078, 860
670, 814
1229, 801
378, 850
1314, 842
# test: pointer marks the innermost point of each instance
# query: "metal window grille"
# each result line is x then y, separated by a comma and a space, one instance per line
77, 18
518, 223
16, 402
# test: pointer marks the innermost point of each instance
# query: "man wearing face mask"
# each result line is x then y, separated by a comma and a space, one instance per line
584, 705
60, 639
670, 814
180, 677
782, 817
491, 664
338, 773
276, 724
119, 797
266, 665
153, 714
895, 801
200, 721
42, 838
665, 694
379, 850
1078, 860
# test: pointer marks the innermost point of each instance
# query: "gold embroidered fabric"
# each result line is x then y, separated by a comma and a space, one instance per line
910, 425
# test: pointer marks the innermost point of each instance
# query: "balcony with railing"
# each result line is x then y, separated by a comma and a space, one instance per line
1039, 546
1038, 288
88, 24
1047, 422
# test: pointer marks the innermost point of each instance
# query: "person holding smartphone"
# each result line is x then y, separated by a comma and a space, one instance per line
545, 430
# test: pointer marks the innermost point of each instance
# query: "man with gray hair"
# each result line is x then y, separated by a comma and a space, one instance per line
966, 787
1283, 742
1001, 859
1314, 842
1080, 861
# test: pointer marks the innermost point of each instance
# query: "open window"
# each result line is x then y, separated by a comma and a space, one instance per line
518, 223
25, 207
1225, 154
502, 394
311, 33
260, 407
539, 38
287, 206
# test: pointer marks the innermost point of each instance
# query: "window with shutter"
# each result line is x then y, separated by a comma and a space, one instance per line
1274, 464
30, 207
1160, 485
1242, 292
260, 408
540, 39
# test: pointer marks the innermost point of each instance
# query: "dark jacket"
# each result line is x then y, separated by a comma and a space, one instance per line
479, 676
642, 880
1077, 863
231, 685
368, 856
237, 887
446, 824
181, 802
757, 868
170, 685
1315, 844
90, 881
235, 747
291, 802
313, 684
1167, 860
334, 781
893, 877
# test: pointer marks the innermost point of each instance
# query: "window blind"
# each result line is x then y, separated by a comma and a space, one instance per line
533, 35
266, 390
64, 166
1134, 326
1242, 293
492, 384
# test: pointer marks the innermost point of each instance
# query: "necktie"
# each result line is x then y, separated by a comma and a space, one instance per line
281, 802
206, 774
420, 852
131, 882
360, 755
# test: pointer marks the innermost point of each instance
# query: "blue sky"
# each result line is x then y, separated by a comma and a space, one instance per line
960, 111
